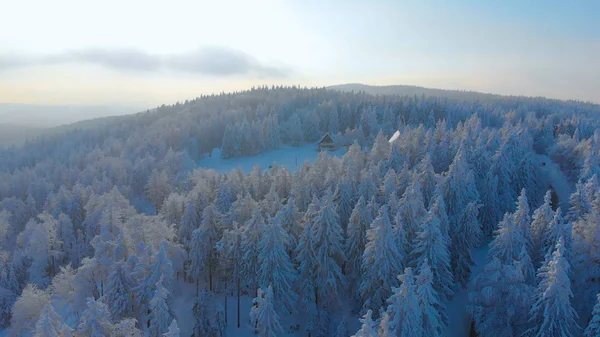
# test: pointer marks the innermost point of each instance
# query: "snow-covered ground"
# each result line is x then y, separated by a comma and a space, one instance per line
288, 156
183, 302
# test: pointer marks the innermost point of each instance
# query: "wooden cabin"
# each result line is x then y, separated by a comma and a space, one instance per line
326, 143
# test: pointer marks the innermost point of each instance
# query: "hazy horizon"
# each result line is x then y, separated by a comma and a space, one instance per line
181, 50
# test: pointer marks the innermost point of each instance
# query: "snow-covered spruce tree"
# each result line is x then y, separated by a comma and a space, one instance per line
593, 328
396, 158
380, 148
356, 241
500, 300
276, 268
295, 130
263, 316
189, 222
490, 214
367, 187
427, 179
95, 320
289, 219
209, 228
344, 198
328, 248
467, 235
459, 187
403, 316
27, 309
430, 245
389, 185
160, 314
173, 330
434, 319
230, 252
306, 261
368, 327
552, 313
49, 323
271, 203
578, 205
539, 226
334, 119
381, 262
117, 295
252, 233
412, 210
558, 228
523, 219
508, 242
204, 315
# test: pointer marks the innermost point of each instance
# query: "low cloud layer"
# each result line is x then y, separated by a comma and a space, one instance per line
211, 61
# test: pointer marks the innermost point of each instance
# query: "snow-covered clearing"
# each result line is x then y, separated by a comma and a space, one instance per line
183, 302
290, 157
458, 319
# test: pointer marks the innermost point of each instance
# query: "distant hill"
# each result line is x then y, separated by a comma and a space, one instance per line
33, 115
410, 90
11, 134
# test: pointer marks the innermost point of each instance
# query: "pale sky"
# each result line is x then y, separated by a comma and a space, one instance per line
149, 52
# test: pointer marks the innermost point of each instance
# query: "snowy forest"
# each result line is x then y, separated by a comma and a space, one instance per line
115, 229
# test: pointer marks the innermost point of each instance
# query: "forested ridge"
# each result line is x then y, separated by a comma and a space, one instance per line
99, 225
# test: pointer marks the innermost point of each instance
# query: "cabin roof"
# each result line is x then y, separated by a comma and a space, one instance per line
326, 139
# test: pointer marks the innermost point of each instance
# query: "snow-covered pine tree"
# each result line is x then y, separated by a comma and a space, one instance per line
434, 319
295, 130
558, 228
552, 313
160, 314
490, 215
289, 219
403, 316
94, 321
356, 241
334, 119
209, 228
204, 316
173, 330
427, 179
48, 325
117, 295
508, 242
252, 233
264, 316
539, 226
430, 245
329, 252
306, 261
367, 187
380, 148
343, 198
389, 185
381, 262
523, 219
467, 235
500, 300
368, 327
276, 268
412, 210
593, 328
189, 222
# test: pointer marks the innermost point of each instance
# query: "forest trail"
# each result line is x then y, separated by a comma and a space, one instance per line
456, 311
